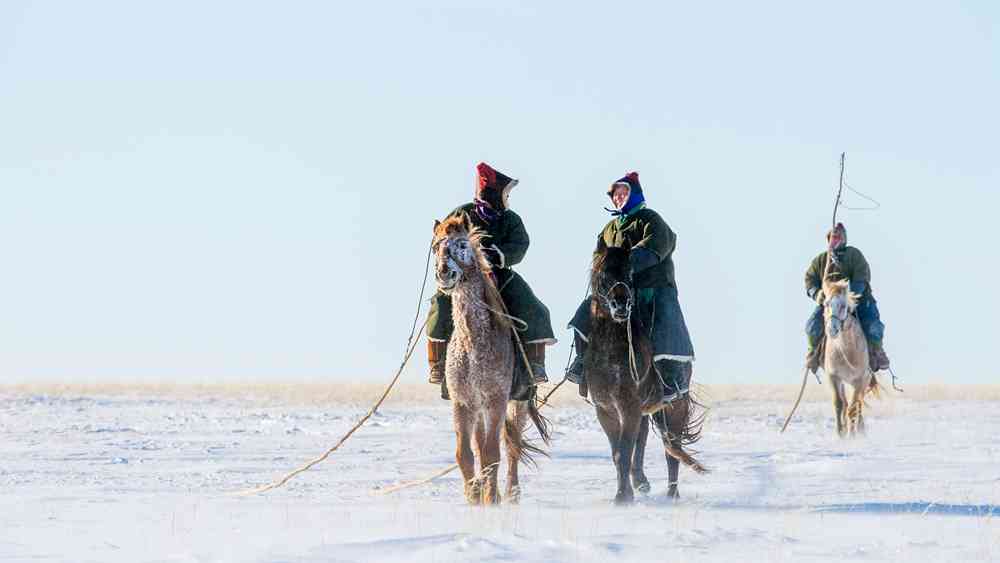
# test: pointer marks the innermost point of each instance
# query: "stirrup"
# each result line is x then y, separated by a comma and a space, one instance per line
539, 372
669, 397
574, 373
436, 377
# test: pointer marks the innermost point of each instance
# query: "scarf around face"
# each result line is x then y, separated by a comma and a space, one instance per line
485, 211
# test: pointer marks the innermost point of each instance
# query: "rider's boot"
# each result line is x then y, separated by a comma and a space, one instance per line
676, 378
574, 372
879, 359
436, 352
536, 357
812, 358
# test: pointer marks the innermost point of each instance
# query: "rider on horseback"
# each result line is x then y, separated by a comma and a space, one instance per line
651, 244
505, 243
847, 263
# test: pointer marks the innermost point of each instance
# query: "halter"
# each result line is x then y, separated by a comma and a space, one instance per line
452, 259
606, 296
846, 311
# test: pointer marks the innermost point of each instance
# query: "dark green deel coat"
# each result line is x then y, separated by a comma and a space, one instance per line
507, 232
851, 265
645, 228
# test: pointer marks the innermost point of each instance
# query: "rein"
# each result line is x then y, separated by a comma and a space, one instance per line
523, 325
411, 344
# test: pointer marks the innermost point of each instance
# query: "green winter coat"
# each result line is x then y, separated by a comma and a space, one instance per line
507, 233
644, 228
509, 236
851, 265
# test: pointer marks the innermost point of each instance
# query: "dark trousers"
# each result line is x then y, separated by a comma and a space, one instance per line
662, 313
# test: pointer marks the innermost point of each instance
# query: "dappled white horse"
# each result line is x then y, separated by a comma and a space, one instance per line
846, 358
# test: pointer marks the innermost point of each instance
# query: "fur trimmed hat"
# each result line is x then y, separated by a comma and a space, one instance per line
493, 186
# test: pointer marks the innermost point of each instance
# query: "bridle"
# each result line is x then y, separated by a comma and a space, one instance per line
606, 296
845, 312
452, 259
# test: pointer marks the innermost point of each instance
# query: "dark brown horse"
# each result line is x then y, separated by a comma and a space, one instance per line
621, 378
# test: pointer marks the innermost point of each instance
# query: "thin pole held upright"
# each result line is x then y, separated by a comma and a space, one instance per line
840, 190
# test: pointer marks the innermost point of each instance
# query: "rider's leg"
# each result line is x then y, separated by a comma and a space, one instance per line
536, 357
673, 352
536, 332
874, 329
436, 354
581, 327
676, 376
814, 333
439, 329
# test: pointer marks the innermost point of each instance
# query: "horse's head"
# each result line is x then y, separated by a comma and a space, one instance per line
610, 286
456, 251
839, 306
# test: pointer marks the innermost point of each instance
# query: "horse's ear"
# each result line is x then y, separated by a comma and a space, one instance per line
602, 247
467, 222
436, 225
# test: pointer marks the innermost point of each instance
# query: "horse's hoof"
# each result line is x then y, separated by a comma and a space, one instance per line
672, 493
514, 495
474, 492
643, 487
622, 499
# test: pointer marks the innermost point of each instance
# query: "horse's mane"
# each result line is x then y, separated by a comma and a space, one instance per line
607, 260
842, 287
460, 225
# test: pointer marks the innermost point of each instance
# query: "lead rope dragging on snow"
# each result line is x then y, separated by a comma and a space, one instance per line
805, 378
411, 344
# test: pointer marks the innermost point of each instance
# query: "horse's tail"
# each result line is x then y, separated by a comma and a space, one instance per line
541, 423
874, 388
680, 425
519, 447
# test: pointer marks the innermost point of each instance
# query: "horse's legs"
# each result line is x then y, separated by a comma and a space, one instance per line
490, 452
664, 421
839, 404
856, 410
478, 447
516, 412
611, 423
639, 480
464, 424
630, 431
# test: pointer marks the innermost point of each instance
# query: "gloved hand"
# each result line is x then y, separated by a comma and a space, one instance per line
640, 259
494, 256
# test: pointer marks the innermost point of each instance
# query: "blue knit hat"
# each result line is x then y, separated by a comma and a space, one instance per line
635, 197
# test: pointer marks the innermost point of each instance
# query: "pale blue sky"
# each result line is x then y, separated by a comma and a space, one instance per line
244, 190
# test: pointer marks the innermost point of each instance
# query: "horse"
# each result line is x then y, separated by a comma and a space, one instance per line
479, 368
621, 378
845, 358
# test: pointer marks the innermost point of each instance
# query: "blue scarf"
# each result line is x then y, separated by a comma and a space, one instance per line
635, 199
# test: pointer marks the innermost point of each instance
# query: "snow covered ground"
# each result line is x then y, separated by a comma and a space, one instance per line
141, 474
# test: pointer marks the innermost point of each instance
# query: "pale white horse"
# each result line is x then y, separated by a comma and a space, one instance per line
846, 358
